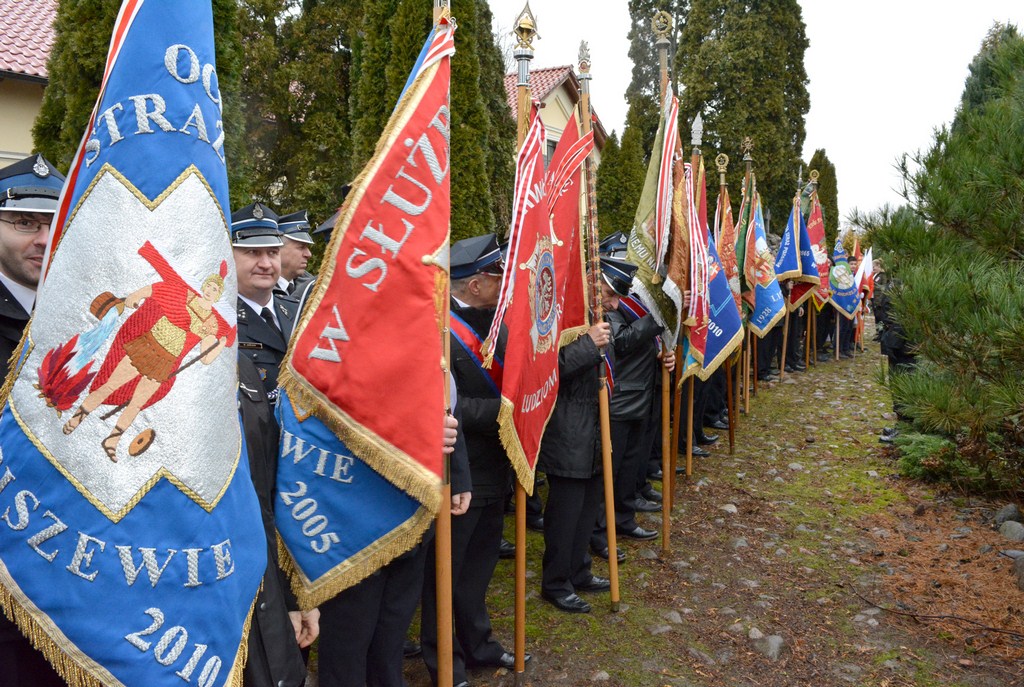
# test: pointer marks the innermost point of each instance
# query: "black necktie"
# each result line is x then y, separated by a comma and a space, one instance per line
268, 317
292, 285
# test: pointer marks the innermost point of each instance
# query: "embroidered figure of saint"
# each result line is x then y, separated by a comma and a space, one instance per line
170, 320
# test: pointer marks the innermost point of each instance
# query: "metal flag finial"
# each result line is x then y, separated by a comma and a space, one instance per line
814, 176
662, 25
697, 131
722, 162
747, 147
584, 56
526, 29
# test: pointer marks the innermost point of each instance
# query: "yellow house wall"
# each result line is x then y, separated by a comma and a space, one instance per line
19, 104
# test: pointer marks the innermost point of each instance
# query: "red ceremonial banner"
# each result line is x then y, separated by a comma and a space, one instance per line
542, 243
565, 191
367, 356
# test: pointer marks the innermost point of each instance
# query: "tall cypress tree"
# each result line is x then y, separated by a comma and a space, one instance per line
828, 193
741, 65
319, 148
371, 56
501, 135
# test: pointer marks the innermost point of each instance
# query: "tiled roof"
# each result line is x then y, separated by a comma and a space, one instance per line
542, 82
26, 36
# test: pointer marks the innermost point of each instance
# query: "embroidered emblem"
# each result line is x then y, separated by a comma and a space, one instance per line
543, 310
257, 211
40, 167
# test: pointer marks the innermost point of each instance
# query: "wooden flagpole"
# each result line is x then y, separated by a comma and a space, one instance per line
722, 163
807, 344
525, 31
785, 343
835, 340
443, 526
593, 234
662, 25
751, 371
696, 136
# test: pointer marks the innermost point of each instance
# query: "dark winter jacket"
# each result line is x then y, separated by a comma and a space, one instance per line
636, 365
571, 445
479, 405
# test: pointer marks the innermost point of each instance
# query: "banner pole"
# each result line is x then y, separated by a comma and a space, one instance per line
807, 336
785, 343
662, 24
443, 527
586, 118
835, 340
667, 464
754, 360
525, 31
689, 434
730, 403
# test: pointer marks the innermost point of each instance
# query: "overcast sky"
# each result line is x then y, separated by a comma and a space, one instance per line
882, 75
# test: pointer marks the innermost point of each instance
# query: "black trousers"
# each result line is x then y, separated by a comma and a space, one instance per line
630, 449
846, 334
700, 401
716, 403
826, 326
475, 538
568, 523
362, 630
797, 333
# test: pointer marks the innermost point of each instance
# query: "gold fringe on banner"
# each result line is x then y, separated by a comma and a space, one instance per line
357, 568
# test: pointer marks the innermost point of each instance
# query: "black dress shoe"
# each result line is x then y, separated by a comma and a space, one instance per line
506, 549
706, 439
650, 493
655, 475
594, 584
642, 505
699, 452
638, 532
790, 368
535, 523
570, 603
602, 553
411, 649
464, 683
719, 424
507, 660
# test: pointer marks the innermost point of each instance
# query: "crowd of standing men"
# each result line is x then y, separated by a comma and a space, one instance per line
363, 631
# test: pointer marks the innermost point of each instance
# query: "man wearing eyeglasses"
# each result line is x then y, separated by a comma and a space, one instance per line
28, 198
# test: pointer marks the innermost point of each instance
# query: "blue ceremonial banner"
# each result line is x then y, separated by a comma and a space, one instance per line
796, 258
787, 260
845, 296
362, 391
725, 326
769, 304
132, 547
